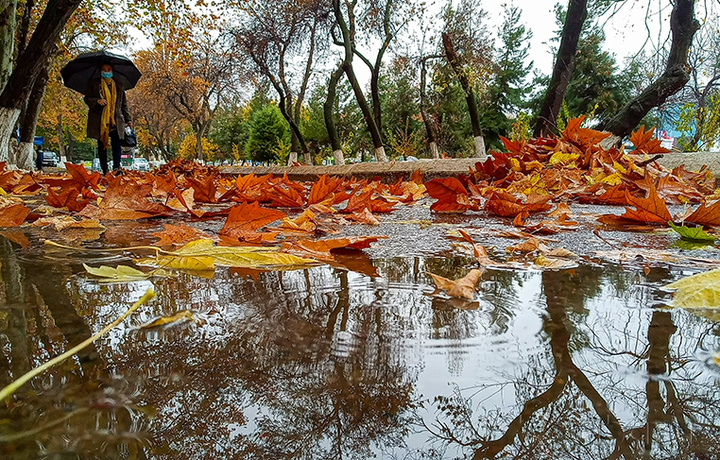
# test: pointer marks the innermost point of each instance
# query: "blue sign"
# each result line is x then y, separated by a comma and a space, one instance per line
39, 140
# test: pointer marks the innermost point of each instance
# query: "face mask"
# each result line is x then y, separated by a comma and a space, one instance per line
106, 74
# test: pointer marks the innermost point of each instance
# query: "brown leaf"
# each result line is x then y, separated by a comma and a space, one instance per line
178, 235
651, 209
706, 215
462, 288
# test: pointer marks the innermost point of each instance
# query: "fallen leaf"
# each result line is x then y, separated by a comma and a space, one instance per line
692, 234
462, 288
179, 317
450, 193
60, 223
12, 212
644, 142
697, 291
479, 251
248, 218
706, 215
178, 234
121, 273
554, 263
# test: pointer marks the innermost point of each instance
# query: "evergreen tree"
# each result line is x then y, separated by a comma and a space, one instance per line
508, 92
268, 131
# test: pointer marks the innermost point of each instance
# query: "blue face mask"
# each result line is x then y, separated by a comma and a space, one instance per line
106, 74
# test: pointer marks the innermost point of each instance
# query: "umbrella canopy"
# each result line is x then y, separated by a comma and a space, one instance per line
79, 72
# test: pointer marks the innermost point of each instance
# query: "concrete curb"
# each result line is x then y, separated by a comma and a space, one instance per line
431, 169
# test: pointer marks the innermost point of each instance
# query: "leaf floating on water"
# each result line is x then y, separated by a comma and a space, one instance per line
121, 273
554, 263
179, 317
203, 255
463, 288
692, 234
697, 291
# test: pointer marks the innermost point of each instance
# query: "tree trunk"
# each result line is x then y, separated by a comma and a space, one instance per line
328, 107
24, 157
7, 38
292, 158
199, 146
683, 26
29, 64
61, 137
357, 90
427, 121
339, 157
469, 96
564, 63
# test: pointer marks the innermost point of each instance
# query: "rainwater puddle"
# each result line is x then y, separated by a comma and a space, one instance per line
326, 363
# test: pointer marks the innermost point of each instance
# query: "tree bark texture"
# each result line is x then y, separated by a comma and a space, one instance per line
8, 10
328, 109
25, 153
564, 63
683, 26
452, 58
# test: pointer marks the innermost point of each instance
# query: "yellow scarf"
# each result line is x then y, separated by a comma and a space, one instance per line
107, 121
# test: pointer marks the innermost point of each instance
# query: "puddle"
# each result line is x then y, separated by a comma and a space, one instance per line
326, 363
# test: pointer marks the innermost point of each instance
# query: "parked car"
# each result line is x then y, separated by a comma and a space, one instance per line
50, 159
140, 164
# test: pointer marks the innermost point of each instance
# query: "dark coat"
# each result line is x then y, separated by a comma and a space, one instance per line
122, 114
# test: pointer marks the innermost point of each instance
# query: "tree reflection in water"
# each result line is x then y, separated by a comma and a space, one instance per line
324, 363
583, 398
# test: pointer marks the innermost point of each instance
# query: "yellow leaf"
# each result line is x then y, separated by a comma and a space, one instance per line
202, 254
612, 179
697, 291
554, 263
121, 273
560, 158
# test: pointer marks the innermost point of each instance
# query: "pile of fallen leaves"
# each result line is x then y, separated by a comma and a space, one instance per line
542, 175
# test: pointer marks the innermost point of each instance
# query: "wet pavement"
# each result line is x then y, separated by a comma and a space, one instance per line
326, 363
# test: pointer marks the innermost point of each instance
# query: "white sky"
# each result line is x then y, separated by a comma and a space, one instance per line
625, 30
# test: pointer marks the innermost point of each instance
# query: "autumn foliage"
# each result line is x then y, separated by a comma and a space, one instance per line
530, 179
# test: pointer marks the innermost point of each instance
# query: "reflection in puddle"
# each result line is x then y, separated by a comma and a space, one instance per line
325, 363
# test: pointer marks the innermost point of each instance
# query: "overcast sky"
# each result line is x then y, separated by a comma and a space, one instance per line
626, 28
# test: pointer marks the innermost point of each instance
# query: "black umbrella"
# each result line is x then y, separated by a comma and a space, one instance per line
79, 72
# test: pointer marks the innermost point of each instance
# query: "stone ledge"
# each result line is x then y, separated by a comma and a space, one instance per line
431, 169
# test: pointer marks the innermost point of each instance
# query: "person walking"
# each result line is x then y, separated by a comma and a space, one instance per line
108, 115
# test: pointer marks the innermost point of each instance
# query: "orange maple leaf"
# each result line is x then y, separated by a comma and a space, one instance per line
12, 213
245, 219
582, 137
324, 187
651, 209
706, 215
452, 196
206, 190
80, 175
644, 143
368, 199
506, 205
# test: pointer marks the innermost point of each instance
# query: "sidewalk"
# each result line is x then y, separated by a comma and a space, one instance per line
431, 169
